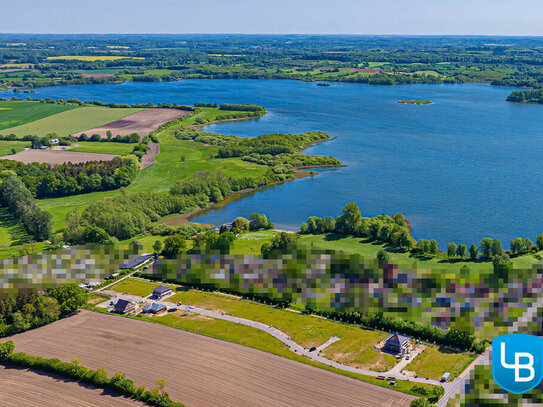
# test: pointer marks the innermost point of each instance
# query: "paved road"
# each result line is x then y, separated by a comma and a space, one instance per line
283, 337
459, 385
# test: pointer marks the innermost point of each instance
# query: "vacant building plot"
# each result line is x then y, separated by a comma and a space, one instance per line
71, 121
22, 387
57, 156
199, 371
143, 123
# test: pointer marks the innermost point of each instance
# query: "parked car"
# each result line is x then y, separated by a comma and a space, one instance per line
312, 349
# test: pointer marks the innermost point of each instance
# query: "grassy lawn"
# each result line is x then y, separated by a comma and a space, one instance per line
17, 113
437, 360
71, 121
355, 347
12, 231
251, 242
96, 298
160, 176
137, 287
103, 147
357, 245
7, 146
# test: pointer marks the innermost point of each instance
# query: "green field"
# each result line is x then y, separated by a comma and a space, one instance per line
168, 168
435, 361
18, 113
7, 146
12, 231
108, 147
137, 287
368, 249
71, 121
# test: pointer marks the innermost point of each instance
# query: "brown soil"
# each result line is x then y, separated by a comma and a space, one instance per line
199, 371
29, 388
57, 156
149, 158
143, 123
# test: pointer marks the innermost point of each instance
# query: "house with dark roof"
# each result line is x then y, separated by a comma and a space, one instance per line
154, 308
124, 306
161, 292
137, 261
397, 344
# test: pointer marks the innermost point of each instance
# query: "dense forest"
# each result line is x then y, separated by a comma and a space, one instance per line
46, 180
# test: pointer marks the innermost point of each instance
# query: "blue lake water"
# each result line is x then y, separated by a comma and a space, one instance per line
465, 167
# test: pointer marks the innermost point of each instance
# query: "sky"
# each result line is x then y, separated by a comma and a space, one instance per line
411, 17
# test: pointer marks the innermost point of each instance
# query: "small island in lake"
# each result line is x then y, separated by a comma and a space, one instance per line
324, 84
416, 102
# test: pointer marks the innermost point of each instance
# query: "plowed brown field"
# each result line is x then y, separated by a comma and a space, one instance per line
25, 388
200, 371
143, 123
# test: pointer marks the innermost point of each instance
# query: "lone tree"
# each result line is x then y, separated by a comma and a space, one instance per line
539, 241
382, 257
433, 246
173, 245
461, 250
473, 251
157, 247
451, 249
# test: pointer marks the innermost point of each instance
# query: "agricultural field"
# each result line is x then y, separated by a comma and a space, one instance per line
199, 371
56, 156
71, 121
14, 114
42, 389
109, 147
159, 177
142, 122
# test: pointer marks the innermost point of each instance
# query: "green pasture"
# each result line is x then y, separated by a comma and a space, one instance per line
71, 121
19, 113
108, 147
7, 146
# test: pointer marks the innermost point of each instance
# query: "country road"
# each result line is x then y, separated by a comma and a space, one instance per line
283, 337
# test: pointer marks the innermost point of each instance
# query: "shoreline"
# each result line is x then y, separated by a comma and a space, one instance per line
186, 218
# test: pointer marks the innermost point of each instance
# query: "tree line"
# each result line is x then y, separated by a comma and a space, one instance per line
23, 312
20, 202
394, 230
54, 180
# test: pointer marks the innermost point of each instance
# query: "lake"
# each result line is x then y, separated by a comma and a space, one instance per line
463, 168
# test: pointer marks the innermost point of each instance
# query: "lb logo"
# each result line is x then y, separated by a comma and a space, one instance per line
517, 362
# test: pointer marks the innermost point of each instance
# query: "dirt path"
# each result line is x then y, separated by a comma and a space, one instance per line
149, 158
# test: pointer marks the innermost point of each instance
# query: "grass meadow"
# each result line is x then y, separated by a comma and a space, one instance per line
18, 113
71, 121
